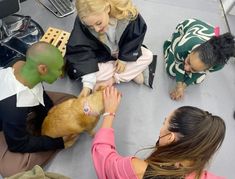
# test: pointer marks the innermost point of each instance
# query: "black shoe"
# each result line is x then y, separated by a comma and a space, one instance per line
149, 73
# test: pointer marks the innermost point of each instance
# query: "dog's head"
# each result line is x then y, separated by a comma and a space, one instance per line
90, 107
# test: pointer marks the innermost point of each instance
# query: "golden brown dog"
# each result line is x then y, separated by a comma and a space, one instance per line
74, 116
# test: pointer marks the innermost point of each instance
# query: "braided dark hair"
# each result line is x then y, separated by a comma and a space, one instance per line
217, 50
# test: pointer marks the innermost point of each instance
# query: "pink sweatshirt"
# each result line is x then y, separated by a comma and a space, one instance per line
110, 165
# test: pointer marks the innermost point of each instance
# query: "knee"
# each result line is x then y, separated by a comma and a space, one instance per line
147, 55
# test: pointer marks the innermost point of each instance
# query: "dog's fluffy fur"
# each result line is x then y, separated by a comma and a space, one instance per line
69, 118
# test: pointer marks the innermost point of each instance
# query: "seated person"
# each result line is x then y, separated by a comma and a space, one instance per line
24, 102
105, 46
188, 139
195, 49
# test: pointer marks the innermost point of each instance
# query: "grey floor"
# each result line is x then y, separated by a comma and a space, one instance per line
143, 110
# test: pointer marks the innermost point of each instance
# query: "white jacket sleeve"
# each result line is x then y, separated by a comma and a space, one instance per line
89, 80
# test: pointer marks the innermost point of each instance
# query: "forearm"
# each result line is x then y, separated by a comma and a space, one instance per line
181, 84
89, 80
107, 162
112, 99
34, 144
107, 121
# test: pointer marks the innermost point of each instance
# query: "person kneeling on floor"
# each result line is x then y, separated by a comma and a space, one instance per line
195, 49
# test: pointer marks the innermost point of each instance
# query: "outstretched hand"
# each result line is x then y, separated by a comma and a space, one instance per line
112, 98
178, 92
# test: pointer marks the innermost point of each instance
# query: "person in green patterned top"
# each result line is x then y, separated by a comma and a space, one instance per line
195, 49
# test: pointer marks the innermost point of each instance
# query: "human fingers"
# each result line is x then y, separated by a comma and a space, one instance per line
119, 97
118, 67
111, 94
115, 94
179, 95
113, 91
173, 95
177, 98
122, 68
106, 92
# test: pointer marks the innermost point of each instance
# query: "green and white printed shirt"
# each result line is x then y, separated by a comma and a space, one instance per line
188, 35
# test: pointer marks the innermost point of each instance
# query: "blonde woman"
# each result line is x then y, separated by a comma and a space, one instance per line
188, 139
105, 46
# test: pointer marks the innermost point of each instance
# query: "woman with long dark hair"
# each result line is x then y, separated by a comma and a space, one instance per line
188, 139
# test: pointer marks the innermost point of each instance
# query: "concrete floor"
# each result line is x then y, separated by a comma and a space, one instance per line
143, 110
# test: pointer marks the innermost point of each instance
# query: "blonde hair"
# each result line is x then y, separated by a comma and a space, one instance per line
119, 9
202, 135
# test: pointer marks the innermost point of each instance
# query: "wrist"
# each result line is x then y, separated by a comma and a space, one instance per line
87, 90
123, 62
184, 85
181, 85
108, 120
109, 114
179, 82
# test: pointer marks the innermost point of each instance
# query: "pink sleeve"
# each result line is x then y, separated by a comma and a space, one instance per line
108, 163
205, 175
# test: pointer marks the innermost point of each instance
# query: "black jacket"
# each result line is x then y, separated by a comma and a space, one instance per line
13, 122
84, 51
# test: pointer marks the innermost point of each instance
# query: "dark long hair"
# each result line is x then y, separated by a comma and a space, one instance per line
201, 135
217, 50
